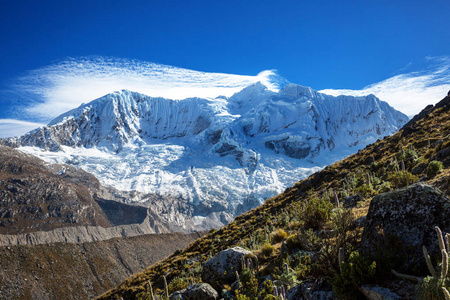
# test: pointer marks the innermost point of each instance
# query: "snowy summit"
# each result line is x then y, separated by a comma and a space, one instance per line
222, 156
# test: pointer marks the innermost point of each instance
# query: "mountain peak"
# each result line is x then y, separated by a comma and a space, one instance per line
221, 155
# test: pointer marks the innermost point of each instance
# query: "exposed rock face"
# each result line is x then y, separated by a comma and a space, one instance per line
402, 221
81, 234
224, 265
310, 291
62, 271
201, 291
378, 293
37, 197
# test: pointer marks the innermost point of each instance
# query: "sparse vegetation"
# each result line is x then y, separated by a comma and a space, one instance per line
434, 167
267, 249
278, 235
353, 273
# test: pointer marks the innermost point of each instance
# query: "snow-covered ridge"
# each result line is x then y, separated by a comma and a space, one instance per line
223, 155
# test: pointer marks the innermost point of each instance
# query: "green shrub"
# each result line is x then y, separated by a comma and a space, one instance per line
316, 212
267, 289
343, 221
366, 190
267, 249
294, 225
249, 285
278, 235
309, 240
177, 284
356, 271
402, 178
144, 296
293, 242
302, 263
384, 187
434, 167
431, 288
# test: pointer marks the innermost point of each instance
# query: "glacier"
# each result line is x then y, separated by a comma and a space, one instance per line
219, 156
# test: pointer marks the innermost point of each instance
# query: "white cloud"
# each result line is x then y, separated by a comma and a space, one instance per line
71, 82
409, 92
53, 90
12, 127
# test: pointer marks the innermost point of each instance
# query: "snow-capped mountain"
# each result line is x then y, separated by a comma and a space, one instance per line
221, 155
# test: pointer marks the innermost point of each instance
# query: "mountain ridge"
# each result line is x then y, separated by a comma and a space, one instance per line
221, 155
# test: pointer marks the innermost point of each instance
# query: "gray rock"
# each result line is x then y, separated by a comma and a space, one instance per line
178, 295
201, 291
361, 221
308, 291
419, 169
443, 154
378, 293
399, 223
224, 265
352, 201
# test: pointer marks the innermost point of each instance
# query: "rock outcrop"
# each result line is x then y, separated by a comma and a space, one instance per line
223, 266
201, 291
81, 234
399, 223
43, 203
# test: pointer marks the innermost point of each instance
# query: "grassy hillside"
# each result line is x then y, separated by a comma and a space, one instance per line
305, 216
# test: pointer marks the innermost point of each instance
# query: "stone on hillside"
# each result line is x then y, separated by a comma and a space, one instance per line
178, 295
352, 201
223, 266
419, 169
201, 291
378, 293
310, 291
400, 222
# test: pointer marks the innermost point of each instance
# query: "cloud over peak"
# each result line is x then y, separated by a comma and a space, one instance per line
73, 81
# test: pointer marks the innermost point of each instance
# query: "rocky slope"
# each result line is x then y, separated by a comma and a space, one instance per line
36, 196
80, 271
214, 157
306, 226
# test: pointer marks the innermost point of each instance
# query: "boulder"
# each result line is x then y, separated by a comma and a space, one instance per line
178, 295
223, 266
378, 293
352, 201
419, 169
310, 291
400, 222
201, 291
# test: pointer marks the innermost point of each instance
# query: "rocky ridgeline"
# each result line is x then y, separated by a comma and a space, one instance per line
81, 234
81, 271
42, 203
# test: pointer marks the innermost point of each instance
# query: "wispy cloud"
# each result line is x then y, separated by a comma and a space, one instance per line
74, 81
12, 127
409, 92
45, 93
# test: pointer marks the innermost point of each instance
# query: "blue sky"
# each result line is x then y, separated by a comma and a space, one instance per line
334, 45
